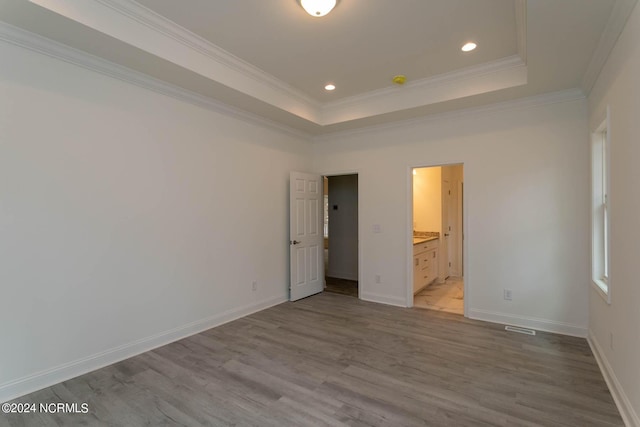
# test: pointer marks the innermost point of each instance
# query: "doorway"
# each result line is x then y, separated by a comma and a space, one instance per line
437, 238
341, 234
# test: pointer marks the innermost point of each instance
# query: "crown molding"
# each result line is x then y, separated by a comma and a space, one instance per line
500, 74
568, 95
429, 82
133, 24
163, 25
521, 28
36, 43
615, 24
139, 26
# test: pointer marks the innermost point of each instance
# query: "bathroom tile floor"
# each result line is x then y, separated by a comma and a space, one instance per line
447, 296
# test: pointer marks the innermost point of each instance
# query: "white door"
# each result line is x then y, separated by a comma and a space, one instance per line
445, 263
452, 229
306, 243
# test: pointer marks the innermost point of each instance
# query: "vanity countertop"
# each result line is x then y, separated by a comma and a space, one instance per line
418, 240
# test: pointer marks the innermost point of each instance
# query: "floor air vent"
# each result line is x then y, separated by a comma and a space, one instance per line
520, 330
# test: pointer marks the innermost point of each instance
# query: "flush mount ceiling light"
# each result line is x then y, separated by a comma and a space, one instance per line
468, 47
318, 8
330, 87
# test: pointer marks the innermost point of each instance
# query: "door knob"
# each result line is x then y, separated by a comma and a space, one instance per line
294, 242
446, 234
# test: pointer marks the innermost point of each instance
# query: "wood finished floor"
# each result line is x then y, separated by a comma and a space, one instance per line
335, 360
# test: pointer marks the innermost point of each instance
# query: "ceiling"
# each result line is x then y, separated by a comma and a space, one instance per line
360, 46
272, 60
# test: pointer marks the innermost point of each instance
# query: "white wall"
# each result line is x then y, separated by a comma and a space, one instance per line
343, 227
526, 193
618, 87
427, 199
127, 219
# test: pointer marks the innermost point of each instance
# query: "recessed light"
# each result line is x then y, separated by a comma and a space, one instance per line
468, 47
330, 87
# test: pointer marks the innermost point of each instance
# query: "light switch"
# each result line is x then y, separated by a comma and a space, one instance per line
376, 228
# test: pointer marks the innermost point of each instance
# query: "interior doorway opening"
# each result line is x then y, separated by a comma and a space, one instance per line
341, 234
438, 238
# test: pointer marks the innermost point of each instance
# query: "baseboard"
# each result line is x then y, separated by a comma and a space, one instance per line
383, 299
629, 415
529, 322
37, 381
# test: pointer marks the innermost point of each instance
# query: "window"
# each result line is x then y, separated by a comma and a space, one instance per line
601, 142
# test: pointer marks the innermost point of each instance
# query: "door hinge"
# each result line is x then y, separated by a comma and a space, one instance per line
449, 264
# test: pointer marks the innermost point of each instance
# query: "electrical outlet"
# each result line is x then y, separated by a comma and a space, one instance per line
378, 280
508, 294
254, 286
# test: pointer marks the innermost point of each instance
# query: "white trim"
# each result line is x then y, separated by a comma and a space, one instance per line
360, 234
600, 287
483, 78
528, 322
158, 35
628, 414
165, 26
36, 43
568, 95
28, 384
409, 237
598, 261
138, 26
521, 28
166, 41
615, 24
383, 299
464, 250
429, 82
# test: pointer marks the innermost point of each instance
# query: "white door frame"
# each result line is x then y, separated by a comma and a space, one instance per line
354, 172
459, 223
409, 238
